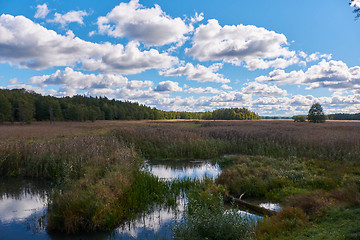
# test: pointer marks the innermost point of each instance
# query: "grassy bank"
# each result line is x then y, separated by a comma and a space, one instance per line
312, 192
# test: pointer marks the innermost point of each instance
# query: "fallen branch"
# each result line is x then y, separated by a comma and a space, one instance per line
248, 206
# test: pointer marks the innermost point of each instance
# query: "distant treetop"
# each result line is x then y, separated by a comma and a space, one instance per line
316, 114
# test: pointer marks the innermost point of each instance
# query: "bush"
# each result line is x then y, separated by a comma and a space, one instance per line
299, 118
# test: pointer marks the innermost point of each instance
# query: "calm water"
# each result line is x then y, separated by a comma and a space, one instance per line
180, 170
23, 203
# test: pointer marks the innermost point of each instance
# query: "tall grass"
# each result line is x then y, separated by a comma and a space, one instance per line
208, 139
206, 217
59, 159
104, 204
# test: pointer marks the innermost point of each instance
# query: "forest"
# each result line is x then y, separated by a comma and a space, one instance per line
19, 105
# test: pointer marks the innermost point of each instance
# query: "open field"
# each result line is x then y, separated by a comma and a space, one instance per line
312, 169
45, 129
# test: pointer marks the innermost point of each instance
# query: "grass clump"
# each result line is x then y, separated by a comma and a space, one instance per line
101, 202
206, 217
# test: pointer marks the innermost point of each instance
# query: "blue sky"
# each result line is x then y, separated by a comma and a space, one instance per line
272, 57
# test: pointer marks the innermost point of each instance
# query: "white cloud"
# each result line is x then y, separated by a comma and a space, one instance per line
129, 94
30, 45
334, 75
201, 90
197, 18
316, 56
75, 80
235, 44
135, 84
69, 17
151, 25
277, 63
128, 60
280, 77
259, 89
226, 87
13, 81
168, 86
198, 73
27, 87
42, 11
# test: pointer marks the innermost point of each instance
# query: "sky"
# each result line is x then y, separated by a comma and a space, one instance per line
275, 58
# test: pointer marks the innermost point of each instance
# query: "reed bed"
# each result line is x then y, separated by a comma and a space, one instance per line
208, 139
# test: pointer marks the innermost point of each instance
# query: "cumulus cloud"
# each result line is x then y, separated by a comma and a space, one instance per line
202, 103
281, 77
41, 11
236, 44
135, 84
334, 75
201, 90
27, 87
277, 63
300, 104
198, 73
197, 18
168, 86
128, 60
150, 25
69, 17
265, 90
75, 80
30, 45
316, 56
226, 87
124, 93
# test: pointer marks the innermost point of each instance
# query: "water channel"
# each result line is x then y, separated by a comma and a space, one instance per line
23, 203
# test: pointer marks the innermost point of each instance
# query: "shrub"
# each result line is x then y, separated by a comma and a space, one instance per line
299, 118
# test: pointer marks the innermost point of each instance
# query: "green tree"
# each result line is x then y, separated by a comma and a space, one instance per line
5, 109
316, 114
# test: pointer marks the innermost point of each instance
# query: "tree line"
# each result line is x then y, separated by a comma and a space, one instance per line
344, 116
20, 105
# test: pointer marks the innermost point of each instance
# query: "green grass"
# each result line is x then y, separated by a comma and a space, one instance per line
206, 217
338, 224
277, 178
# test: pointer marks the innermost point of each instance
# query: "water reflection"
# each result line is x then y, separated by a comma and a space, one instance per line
180, 170
155, 224
22, 205
271, 206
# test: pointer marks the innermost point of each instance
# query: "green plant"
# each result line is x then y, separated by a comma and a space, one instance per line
207, 218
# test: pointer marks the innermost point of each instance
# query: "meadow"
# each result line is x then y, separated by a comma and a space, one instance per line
313, 170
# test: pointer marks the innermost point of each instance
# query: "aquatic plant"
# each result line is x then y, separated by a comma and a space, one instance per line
206, 217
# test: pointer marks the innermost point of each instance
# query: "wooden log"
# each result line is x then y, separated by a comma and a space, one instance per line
248, 206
